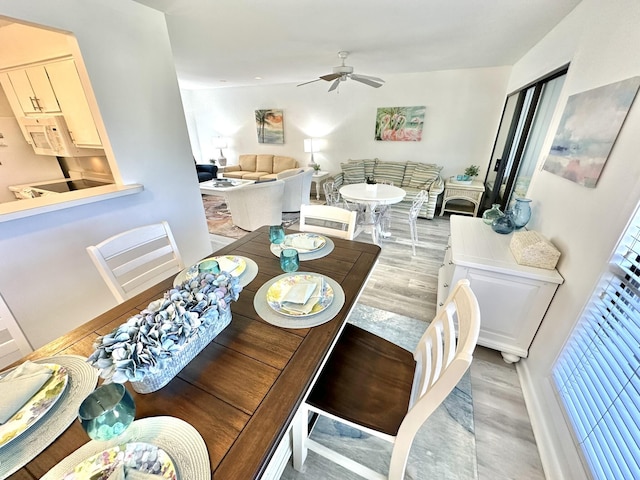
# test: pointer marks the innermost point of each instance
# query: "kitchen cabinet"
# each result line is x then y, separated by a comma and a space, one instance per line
73, 103
513, 298
33, 90
53, 88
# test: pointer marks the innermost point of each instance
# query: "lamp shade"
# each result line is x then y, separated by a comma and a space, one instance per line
311, 145
220, 142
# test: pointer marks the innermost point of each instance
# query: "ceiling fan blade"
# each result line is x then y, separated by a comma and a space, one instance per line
334, 85
311, 81
368, 77
331, 76
366, 81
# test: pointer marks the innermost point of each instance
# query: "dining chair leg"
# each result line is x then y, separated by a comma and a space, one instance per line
414, 236
299, 434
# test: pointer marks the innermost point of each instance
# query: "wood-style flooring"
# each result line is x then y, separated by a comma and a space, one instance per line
406, 284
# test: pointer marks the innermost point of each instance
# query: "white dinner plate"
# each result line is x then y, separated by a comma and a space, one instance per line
304, 242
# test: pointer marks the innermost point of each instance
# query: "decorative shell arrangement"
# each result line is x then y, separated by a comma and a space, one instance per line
146, 340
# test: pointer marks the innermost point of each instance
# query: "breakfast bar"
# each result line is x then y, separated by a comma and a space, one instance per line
243, 390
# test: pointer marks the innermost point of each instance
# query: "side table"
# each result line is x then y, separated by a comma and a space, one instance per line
317, 178
459, 191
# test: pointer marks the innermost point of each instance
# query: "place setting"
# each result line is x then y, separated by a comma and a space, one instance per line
243, 268
297, 299
40, 399
310, 246
122, 448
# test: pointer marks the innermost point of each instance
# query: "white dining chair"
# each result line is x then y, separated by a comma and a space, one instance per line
132, 261
333, 221
377, 387
421, 197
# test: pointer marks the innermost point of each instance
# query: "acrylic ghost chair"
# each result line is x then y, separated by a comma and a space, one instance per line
331, 194
420, 198
132, 261
333, 221
378, 387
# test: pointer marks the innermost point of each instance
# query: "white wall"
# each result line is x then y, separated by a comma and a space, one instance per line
601, 39
47, 278
462, 116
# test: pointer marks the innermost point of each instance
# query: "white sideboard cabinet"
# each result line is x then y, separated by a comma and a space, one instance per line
513, 298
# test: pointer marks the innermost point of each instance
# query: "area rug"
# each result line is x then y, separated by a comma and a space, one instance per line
445, 445
219, 219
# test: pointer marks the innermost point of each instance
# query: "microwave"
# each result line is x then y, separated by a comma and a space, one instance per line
49, 135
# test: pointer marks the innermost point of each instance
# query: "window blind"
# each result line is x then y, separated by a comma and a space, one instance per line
596, 374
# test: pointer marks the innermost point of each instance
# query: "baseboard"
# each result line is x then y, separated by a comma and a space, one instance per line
558, 452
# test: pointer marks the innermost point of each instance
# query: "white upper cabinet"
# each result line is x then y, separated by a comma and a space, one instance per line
66, 84
53, 88
34, 91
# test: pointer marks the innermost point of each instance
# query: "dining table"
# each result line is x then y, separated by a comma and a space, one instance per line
372, 196
242, 391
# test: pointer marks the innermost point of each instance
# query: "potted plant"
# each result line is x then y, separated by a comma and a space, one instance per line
316, 167
470, 173
151, 347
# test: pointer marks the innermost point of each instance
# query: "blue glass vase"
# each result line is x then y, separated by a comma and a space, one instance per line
490, 215
522, 212
504, 224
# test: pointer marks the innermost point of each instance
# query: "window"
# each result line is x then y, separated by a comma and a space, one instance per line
596, 374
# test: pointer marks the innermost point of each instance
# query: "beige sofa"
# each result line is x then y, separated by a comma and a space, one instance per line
260, 167
410, 176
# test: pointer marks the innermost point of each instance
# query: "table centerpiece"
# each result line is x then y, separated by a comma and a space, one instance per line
151, 347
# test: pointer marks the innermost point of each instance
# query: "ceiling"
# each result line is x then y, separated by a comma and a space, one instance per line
230, 42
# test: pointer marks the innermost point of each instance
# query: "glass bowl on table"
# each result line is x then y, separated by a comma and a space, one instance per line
107, 412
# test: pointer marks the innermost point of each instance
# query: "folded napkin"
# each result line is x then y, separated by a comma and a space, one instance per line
19, 385
227, 265
303, 242
124, 473
302, 297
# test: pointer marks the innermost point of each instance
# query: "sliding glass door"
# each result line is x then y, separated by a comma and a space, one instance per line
525, 121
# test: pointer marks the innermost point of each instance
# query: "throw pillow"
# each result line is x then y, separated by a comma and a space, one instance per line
389, 171
369, 165
424, 173
353, 172
408, 173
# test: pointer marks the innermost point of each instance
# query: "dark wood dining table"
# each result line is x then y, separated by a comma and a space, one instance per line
243, 390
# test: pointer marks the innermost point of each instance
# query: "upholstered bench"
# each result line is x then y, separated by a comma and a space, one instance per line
410, 176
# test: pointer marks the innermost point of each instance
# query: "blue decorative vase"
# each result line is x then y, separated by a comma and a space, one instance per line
504, 224
522, 212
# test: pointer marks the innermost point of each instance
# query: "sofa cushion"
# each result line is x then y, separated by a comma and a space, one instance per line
353, 172
254, 175
264, 163
389, 171
408, 173
424, 173
369, 165
235, 174
247, 163
283, 163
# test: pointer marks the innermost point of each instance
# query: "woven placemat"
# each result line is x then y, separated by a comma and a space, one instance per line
182, 442
82, 381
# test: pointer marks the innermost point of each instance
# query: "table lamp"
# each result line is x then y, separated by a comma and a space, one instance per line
221, 143
311, 145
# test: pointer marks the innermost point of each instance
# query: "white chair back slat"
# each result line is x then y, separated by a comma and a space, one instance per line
132, 261
333, 221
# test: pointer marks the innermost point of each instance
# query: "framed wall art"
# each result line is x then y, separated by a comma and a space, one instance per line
399, 124
587, 131
269, 126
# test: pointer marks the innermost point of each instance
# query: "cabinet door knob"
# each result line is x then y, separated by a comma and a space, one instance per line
34, 103
446, 285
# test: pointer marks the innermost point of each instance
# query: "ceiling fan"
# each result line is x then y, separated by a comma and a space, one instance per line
343, 72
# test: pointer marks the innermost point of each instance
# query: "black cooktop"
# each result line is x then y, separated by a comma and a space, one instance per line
70, 185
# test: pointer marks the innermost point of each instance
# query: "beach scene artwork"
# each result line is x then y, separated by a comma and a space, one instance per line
399, 124
589, 126
269, 126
